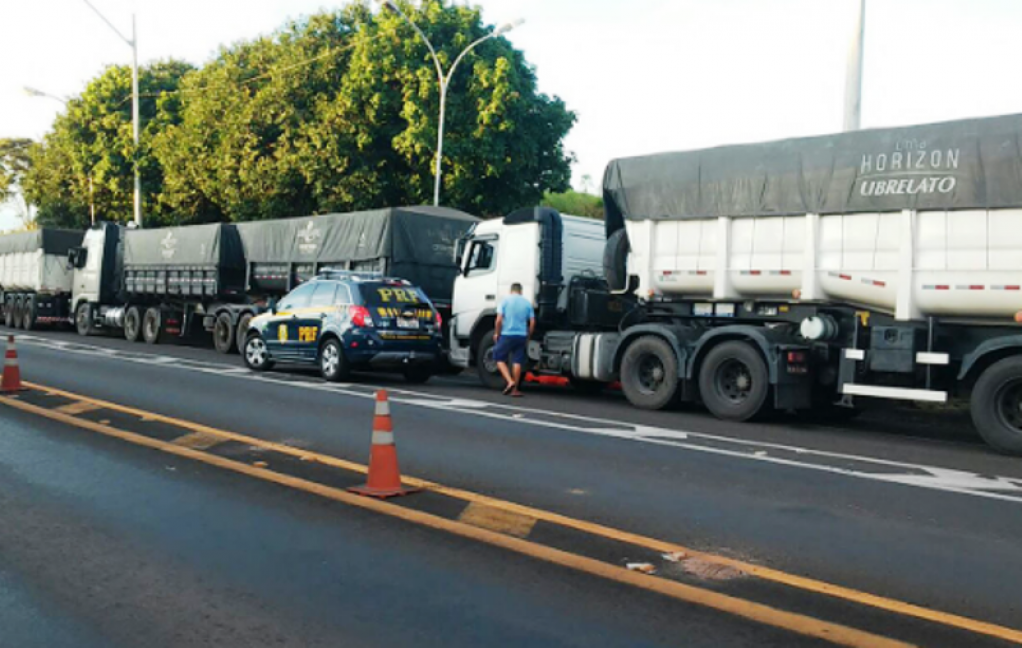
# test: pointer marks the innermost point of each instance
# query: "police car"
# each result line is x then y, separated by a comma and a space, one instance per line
345, 321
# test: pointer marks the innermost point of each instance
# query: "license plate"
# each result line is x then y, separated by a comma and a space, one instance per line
407, 323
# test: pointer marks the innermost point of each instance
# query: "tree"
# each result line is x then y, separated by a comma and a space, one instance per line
575, 203
89, 156
338, 112
14, 162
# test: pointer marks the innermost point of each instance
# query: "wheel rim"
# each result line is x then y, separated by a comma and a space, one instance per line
223, 335
734, 381
489, 363
650, 374
331, 359
255, 352
83, 318
1009, 404
131, 325
150, 327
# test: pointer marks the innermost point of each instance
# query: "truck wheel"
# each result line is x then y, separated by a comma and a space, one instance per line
333, 366
649, 373
242, 331
152, 325
29, 312
997, 405
486, 366
83, 320
16, 312
734, 381
256, 355
9, 312
419, 374
132, 324
224, 334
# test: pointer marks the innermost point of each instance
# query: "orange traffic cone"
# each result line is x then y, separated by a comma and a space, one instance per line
384, 476
12, 374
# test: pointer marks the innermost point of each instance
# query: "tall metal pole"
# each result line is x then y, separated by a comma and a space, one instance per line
853, 80
135, 121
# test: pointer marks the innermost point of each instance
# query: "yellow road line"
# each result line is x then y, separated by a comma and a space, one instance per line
765, 573
797, 623
198, 440
81, 407
495, 519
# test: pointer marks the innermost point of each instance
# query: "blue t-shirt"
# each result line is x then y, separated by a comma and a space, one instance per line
516, 311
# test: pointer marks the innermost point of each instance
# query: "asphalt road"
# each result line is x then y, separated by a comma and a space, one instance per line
899, 504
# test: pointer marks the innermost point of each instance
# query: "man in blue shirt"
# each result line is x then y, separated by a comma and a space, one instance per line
516, 322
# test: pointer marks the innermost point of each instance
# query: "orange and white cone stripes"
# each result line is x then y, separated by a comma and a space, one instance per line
384, 475
12, 374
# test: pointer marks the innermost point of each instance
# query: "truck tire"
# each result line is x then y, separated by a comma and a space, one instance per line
242, 332
333, 366
83, 320
152, 325
486, 366
29, 312
734, 381
132, 324
649, 373
996, 405
224, 335
16, 312
9, 312
615, 257
255, 353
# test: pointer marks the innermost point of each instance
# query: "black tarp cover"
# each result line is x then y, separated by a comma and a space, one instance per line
215, 245
416, 242
968, 164
50, 240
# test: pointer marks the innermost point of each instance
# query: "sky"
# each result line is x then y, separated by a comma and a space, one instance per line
643, 76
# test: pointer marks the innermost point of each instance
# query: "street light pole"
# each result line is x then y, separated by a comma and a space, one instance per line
444, 80
853, 80
135, 127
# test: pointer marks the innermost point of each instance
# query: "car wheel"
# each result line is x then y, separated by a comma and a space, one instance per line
152, 325
996, 405
132, 324
256, 354
419, 374
333, 366
649, 373
486, 366
224, 334
734, 382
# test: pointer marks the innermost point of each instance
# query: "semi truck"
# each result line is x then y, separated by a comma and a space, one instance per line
35, 280
158, 283
811, 274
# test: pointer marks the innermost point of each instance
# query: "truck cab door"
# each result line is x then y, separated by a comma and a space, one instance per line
476, 289
87, 262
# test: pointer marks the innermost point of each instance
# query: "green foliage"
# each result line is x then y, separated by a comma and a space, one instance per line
14, 162
339, 112
93, 140
575, 203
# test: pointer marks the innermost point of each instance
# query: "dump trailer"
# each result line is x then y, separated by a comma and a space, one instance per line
812, 274
152, 283
413, 243
35, 278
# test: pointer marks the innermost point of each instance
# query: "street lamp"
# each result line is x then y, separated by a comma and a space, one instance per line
32, 92
443, 79
133, 44
853, 77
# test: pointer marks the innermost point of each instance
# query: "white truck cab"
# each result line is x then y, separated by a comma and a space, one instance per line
538, 248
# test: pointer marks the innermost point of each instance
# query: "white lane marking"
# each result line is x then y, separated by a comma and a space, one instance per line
886, 471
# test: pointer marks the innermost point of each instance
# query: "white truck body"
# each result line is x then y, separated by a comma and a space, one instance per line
963, 264
35, 271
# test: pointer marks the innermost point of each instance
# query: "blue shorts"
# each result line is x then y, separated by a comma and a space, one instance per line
511, 347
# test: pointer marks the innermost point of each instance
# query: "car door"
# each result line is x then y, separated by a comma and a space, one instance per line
283, 332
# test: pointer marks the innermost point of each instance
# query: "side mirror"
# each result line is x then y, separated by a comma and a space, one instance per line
77, 257
273, 305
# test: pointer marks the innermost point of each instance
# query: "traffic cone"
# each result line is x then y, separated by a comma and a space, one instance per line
11, 382
384, 476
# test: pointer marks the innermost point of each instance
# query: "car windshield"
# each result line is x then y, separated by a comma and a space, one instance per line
392, 294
